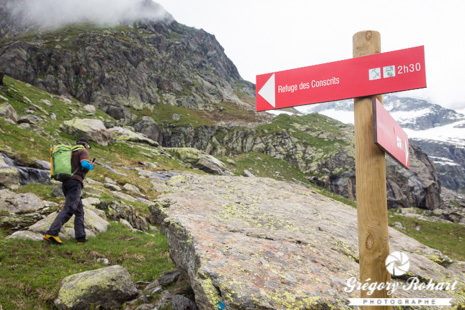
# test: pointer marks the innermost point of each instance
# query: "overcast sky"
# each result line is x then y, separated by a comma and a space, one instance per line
263, 36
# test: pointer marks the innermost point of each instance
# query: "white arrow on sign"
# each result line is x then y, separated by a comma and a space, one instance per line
268, 91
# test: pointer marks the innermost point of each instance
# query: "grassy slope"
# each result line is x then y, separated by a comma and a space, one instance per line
447, 237
31, 271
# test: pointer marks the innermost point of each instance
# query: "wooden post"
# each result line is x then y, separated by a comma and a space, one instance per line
370, 166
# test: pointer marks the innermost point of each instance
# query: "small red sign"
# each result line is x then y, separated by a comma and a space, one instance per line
356, 77
389, 135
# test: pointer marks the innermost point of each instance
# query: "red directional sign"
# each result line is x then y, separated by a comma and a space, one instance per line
389, 135
356, 77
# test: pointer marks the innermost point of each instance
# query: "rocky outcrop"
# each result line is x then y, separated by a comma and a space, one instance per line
323, 149
150, 129
418, 187
11, 202
93, 225
30, 217
9, 176
8, 112
116, 210
17, 211
201, 160
95, 130
120, 134
92, 129
450, 161
106, 288
254, 243
14, 174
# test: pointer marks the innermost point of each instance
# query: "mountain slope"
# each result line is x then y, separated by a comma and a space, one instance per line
131, 66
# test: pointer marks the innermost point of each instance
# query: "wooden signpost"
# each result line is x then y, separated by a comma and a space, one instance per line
370, 174
365, 77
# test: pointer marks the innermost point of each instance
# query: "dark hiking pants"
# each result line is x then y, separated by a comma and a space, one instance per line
73, 206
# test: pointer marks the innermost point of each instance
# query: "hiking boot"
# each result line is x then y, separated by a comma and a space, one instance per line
53, 239
81, 241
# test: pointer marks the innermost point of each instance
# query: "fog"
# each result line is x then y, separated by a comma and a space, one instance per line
55, 13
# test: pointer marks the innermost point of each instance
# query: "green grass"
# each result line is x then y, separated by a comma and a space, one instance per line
449, 238
263, 165
32, 271
42, 190
325, 192
164, 112
310, 130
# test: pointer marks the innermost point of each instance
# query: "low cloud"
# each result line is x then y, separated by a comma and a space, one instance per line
55, 13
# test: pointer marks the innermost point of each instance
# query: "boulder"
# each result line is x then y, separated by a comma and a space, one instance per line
92, 222
26, 235
28, 119
105, 288
8, 112
19, 203
183, 303
118, 112
9, 177
18, 211
117, 210
201, 160
257, 243
92, 129
120, 195
120, 134
90, 202
149, 128
90, 108
3, 163
131, 189
169, 277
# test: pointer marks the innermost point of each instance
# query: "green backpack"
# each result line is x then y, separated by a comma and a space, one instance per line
60, 160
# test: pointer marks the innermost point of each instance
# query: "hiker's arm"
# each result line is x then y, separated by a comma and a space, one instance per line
86, 165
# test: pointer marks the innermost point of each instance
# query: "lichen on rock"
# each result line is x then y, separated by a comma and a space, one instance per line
256, 243
106, 288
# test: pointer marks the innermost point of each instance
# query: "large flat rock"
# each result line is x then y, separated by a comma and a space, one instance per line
255, 243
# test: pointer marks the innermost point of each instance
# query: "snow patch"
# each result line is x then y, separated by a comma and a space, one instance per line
278, 112
443, 161
451, 133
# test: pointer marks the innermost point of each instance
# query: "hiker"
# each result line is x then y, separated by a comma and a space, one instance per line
72, 188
